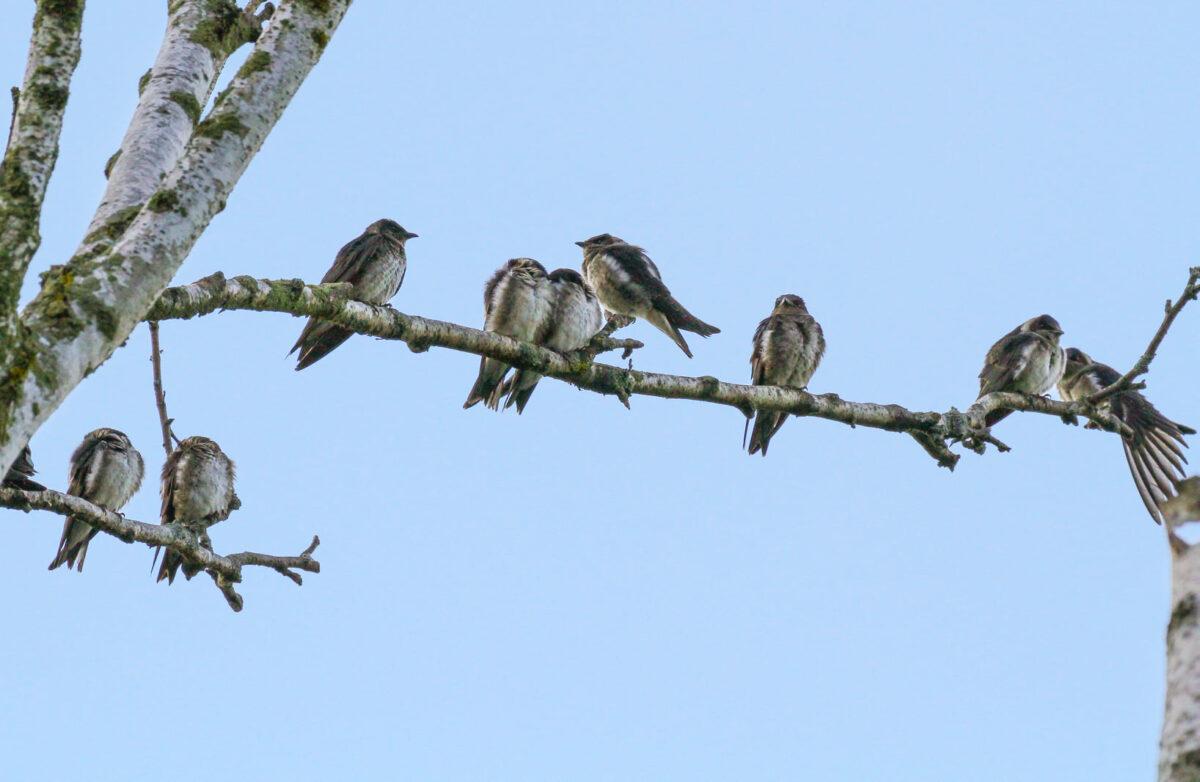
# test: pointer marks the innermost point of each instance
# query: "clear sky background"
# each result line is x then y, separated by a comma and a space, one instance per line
590, 593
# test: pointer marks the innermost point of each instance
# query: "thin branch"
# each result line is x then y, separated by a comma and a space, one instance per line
1142, 365
225, 570
160, 396
32, 148
932, 430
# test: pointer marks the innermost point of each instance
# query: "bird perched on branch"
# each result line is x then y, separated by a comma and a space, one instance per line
197, 492
1028, 360
628, 283
374, 264
105, 470
574, 320
20, 475
1154, 450
518, 302
788, 346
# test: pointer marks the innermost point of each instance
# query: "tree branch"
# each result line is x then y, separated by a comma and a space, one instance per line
87, 308
935, 432
32, 148
160, 396
1142, 365
200, 36
225, 570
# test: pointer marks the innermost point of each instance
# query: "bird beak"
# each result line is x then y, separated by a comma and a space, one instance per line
412, 236
581, 244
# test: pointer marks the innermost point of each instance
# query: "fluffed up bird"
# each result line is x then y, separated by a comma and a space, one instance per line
1028, 360
105, 470
788, 346
197, 491
20, 475
374, 264
574, 320
518, 301
1154, 451
628, 283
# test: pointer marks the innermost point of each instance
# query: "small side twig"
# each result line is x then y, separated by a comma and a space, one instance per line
1142, 365
160, 396
12, 122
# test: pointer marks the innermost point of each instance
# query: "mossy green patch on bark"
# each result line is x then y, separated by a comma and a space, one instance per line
163, 201
112, 161
320, 38
187, 101
316, 6
224, 28
116, 225
217, 125
144, 80
48, 95
1185, 611
257, 61
68, 13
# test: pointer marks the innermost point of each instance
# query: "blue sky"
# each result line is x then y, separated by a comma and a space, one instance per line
588, 593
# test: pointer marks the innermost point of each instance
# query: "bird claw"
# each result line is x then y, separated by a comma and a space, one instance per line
1070, 420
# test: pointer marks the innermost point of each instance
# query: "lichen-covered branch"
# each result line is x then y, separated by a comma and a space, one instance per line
160, 395
1179, 748
32, 148
200, 36
934, 431
1142, 365
87, 307
225, 570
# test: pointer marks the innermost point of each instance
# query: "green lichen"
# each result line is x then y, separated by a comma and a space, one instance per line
218, 125
316, 6
68, 13
320, 38
19, 355
115, 227
224, 28
112, 161
46, 93
187, 101
142, 82
163, 201
257, 61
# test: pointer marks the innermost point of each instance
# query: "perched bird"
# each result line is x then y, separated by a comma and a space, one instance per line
197, 491
1027, 360
374, 264
628, 283
20, 475
1154, 451
574, 320
788, 346
106, 470
518, 301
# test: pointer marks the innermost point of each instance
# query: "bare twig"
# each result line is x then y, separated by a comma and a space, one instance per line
1142, 365
225, 570
160, 396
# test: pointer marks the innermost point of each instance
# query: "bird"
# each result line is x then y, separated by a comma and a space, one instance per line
105, 470
574, 320
20, 475
518, 301
1028, 360
628, 283
1153, 450
788, 346
197, 492
374, 264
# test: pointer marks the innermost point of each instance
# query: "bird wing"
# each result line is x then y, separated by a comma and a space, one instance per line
758, 357
348, 264
1006, 359
639, 269
170, 468
81, 465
